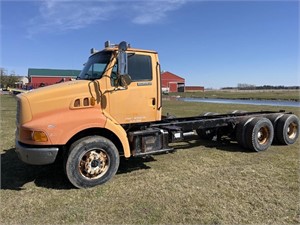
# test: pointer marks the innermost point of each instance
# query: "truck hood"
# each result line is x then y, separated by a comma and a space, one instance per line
56, 97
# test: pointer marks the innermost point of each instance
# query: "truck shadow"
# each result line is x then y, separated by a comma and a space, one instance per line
16, 174
134, 163
221, 145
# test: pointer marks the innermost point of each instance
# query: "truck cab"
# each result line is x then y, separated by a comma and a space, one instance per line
118, 86
134, 102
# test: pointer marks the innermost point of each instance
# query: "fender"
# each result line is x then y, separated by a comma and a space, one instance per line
61, 126
65, 125
118, 130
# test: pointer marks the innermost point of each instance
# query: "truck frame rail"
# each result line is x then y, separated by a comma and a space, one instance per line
252, 130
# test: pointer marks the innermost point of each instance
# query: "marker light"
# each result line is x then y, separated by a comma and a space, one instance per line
39, 136
93, 101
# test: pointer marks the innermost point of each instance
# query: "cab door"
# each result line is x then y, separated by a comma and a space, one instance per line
138, 102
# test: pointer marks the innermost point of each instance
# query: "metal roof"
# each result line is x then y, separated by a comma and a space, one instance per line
171, 76
52, 72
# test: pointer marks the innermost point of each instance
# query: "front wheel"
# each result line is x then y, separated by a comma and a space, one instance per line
91, 161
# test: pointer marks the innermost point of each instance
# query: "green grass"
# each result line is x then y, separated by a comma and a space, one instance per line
292, 95
201, 183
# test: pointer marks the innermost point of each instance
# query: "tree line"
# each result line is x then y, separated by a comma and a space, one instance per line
8, 80
262, 87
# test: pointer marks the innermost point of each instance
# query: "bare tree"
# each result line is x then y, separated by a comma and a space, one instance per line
7, 80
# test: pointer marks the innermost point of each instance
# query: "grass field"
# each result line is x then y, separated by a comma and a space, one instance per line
201, 183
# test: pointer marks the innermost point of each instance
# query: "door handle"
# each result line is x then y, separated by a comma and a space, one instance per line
153, 101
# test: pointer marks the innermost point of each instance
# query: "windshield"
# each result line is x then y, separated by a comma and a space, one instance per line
95, 66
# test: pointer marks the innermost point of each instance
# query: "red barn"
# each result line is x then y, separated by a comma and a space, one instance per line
172, 82
44, 77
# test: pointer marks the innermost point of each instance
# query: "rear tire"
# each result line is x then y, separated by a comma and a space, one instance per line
259, 134
274, 120
287, 130
241, 131
91, 161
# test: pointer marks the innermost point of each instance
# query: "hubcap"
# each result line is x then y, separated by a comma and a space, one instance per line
263, 135
292, 130
94, 164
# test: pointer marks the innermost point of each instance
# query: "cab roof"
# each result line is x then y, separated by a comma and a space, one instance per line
130, 50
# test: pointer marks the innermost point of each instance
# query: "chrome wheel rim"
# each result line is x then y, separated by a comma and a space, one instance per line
263, 135
94, 163
292, 130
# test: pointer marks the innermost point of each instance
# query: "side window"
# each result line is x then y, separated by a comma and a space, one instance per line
95, 71
114, 77
139, 67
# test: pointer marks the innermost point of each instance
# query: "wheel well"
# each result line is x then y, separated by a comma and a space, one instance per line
100, 132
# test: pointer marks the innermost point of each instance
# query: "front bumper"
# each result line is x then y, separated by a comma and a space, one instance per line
36, 155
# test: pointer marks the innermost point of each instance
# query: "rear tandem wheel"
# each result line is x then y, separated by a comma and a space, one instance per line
259, 134
287, 130
255, 133
241, 131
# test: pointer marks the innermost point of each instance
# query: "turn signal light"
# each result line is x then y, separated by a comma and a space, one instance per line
93, 101
39, 136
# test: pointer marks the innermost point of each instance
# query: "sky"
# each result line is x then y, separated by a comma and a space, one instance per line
213, 44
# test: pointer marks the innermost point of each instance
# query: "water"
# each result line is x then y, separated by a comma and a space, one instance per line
243, 102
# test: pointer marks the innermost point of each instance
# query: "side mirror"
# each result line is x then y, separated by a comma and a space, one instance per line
125, 80
122, 59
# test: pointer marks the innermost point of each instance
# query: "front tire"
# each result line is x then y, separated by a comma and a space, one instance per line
91, 161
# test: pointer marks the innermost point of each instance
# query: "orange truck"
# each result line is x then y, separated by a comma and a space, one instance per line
114, 109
